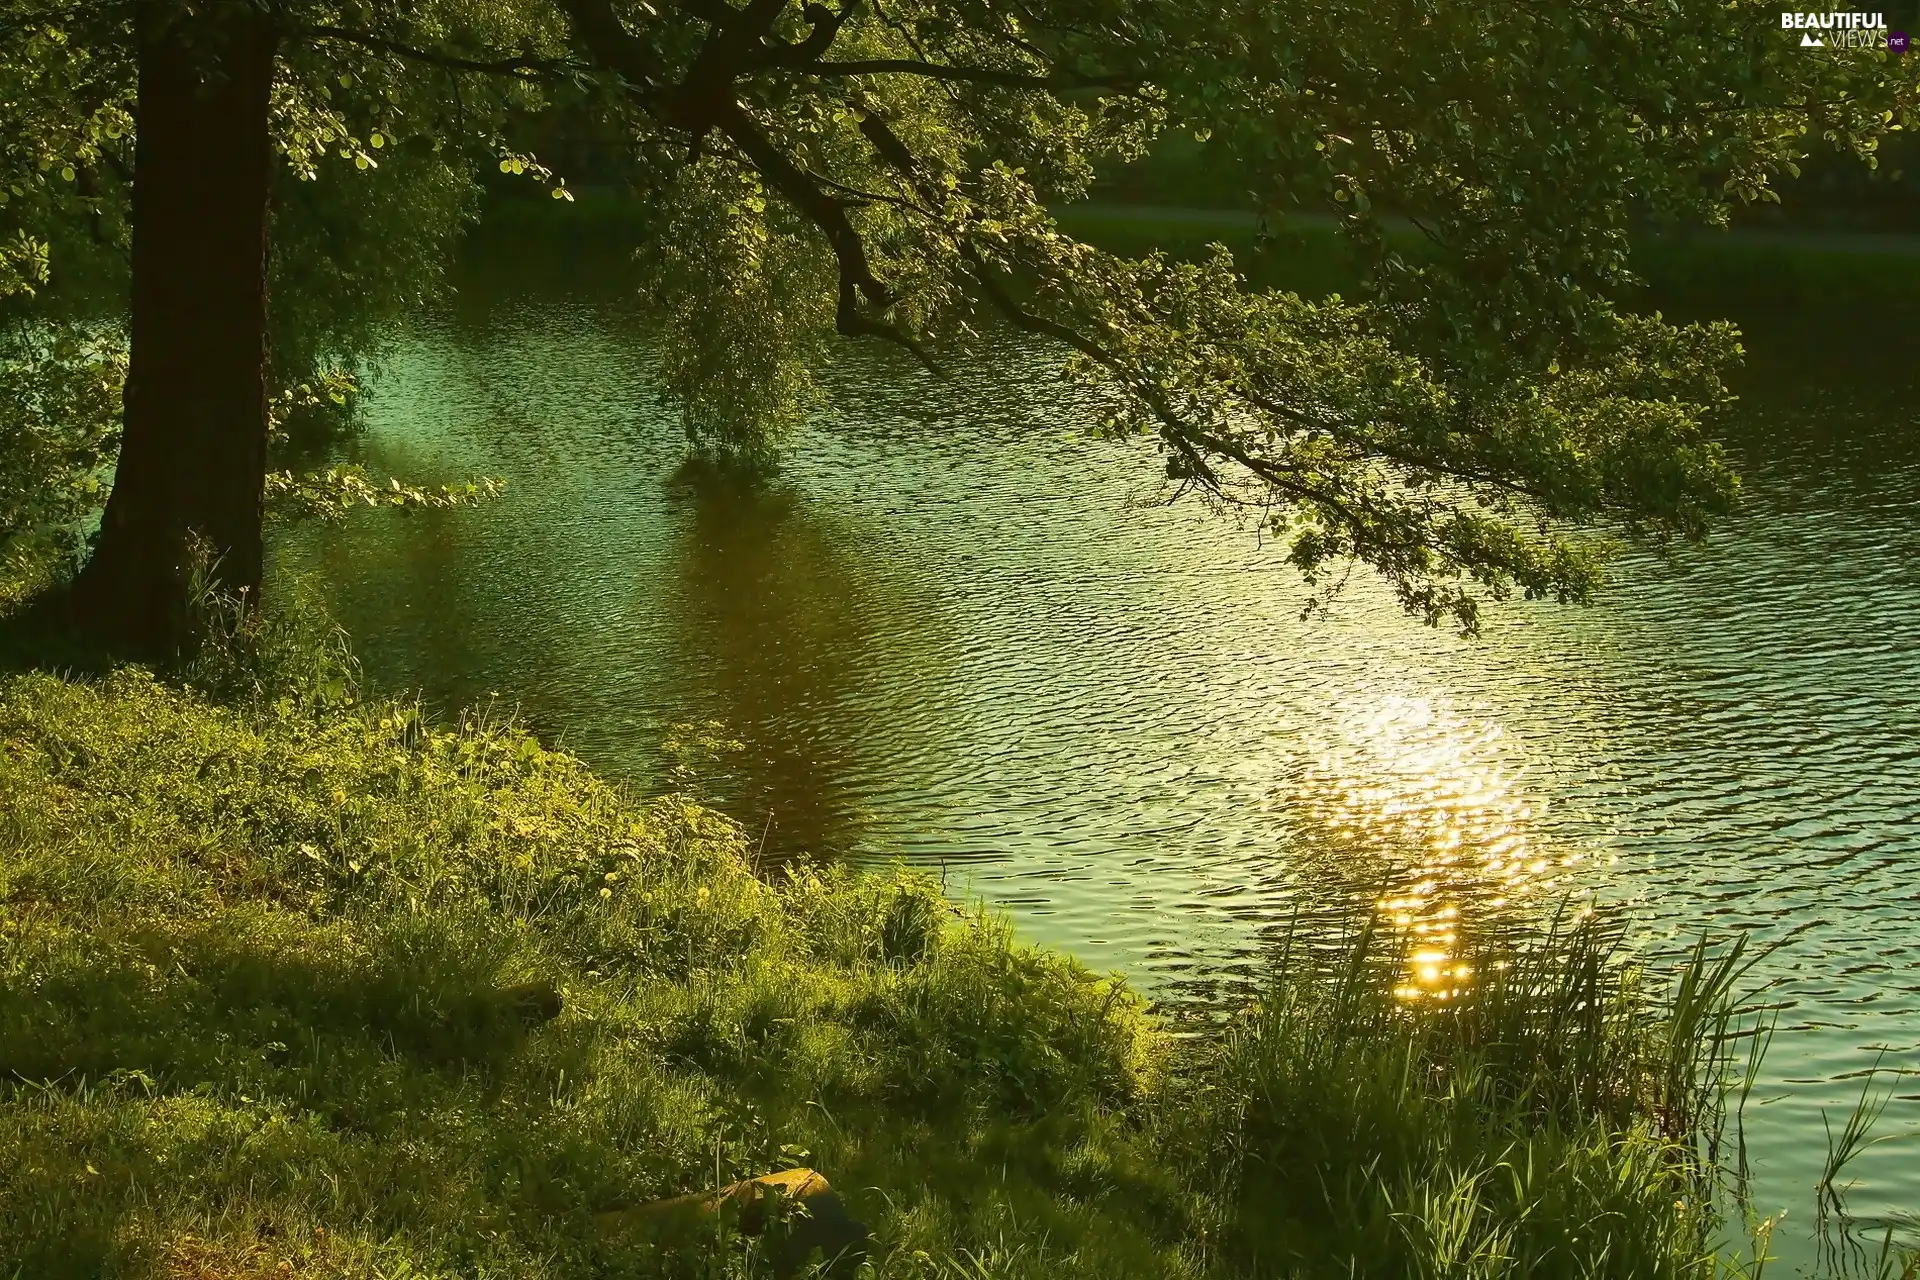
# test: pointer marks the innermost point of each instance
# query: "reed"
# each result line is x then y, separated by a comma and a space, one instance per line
1559, 1118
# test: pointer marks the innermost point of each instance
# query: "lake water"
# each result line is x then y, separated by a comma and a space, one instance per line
956, 630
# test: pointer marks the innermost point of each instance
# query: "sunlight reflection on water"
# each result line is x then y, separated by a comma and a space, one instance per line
1409, 774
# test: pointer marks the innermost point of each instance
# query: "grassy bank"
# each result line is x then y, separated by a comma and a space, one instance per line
293, 983
1702, 275
1307, 258
1747, 274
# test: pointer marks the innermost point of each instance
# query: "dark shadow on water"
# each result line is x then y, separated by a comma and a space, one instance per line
719, 478
778, 610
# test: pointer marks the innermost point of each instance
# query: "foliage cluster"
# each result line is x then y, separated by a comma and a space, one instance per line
331, 493
258, 959
59, 423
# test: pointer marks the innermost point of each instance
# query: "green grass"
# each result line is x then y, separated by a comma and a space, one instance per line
1307, 258
261, 965
1706, 275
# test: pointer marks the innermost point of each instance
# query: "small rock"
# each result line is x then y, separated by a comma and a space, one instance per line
535, 1002
817, 1219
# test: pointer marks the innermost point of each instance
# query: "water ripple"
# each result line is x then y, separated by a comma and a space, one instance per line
957, 630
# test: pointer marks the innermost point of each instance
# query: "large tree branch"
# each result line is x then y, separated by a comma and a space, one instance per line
1175, 432
609, 42
829, 214
826, 25
733, 40
1196, 446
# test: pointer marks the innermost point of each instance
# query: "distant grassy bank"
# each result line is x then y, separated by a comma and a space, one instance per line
295, 982
1701, 274
1704, 273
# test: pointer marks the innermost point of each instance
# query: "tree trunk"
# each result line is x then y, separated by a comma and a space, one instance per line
193, 451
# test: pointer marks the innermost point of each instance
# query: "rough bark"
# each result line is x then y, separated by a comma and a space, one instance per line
189, 486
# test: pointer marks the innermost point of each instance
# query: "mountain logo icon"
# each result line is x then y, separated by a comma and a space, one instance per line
1811, 41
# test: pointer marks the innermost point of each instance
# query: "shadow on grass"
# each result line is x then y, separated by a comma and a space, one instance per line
39, 633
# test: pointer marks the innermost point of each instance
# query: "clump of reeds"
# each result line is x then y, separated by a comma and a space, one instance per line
1561, 1115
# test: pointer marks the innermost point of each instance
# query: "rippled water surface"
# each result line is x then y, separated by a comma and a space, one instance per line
958, 631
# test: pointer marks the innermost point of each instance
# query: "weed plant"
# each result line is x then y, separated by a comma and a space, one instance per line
1558, 1118
265, 954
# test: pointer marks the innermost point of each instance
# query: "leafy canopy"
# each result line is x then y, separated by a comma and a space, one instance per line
884, 169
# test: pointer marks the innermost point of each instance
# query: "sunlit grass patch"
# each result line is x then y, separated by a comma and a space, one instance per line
257, 959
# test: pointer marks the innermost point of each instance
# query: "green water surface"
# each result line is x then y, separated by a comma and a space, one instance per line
955, 629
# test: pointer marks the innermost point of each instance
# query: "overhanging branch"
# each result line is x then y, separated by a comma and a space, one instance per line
829, 214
